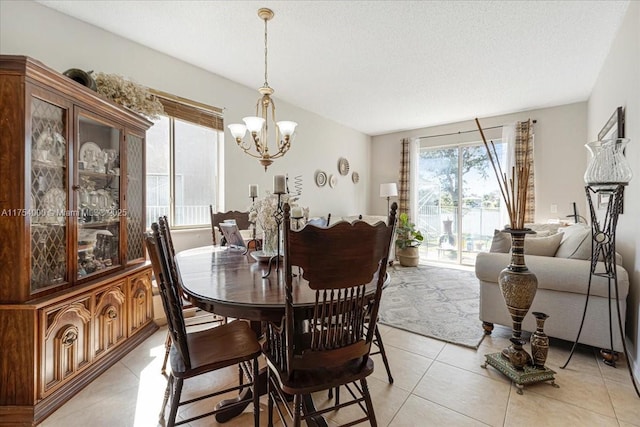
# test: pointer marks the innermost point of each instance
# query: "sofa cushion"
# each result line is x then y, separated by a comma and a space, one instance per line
543, 229
543, 246
576, 242
541, 243
501, 242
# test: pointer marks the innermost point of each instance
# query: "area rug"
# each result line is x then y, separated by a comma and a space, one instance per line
440, 303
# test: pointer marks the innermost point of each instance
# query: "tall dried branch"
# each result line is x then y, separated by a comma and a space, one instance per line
514, 188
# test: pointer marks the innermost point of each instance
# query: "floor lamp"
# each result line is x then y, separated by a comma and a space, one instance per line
388, 190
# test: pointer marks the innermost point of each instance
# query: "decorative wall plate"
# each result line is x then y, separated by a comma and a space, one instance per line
333, 181
355, 177
343, 166
321, 178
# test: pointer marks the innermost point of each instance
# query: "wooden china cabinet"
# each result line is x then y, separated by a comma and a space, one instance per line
75, 289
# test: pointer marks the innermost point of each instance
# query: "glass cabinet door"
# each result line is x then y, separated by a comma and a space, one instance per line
98, 196
48, 205
135, 198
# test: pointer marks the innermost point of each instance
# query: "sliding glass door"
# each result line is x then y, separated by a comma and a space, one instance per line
458, 202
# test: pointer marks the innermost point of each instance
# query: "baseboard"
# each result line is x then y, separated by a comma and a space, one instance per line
635, 364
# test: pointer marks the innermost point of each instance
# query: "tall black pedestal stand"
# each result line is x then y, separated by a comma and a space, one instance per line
603, 245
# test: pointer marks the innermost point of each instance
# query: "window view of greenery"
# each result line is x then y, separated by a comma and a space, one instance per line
458, 204
194, 184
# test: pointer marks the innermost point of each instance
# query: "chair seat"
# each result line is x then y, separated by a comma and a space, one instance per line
310, 381
235, 342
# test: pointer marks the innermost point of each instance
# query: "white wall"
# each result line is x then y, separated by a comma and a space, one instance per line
62, 42
619, 85
560, 156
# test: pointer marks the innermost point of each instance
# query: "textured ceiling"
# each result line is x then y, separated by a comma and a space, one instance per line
383, 66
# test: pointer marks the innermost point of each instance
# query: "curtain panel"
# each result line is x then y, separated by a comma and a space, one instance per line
514, 135
404, 190
524, 153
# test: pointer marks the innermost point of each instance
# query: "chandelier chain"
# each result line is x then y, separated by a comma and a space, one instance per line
266, 83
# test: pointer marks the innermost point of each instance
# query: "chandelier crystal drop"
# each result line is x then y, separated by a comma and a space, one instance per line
258, 125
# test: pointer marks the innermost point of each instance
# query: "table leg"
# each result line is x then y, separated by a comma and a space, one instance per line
246, 397
309, 406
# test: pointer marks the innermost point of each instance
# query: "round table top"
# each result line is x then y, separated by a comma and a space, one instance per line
227, 282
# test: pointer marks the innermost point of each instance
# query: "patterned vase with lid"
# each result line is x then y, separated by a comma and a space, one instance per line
539, 341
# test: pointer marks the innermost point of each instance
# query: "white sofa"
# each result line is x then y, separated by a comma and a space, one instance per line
562, 289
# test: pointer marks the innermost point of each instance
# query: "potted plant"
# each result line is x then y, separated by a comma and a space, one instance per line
407, 241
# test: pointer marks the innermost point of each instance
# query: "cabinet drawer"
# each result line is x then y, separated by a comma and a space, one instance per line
66, 341
110, 319
140, 301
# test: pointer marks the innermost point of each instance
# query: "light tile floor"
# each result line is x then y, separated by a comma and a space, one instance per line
436, 384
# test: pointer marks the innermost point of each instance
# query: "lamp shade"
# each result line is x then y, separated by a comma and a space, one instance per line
237, 130
254, 124
388, 190
286, 127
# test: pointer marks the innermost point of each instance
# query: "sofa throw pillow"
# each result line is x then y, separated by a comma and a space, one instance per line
576, 243
543, 229
542, 246
502, 241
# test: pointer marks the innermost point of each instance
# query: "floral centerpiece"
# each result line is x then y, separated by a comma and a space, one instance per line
262, 213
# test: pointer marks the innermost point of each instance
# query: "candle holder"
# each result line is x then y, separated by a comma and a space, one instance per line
256, 243
297, 220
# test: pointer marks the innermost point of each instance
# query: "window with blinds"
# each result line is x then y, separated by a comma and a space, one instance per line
183, 161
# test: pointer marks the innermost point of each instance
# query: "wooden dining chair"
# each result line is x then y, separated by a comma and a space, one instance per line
328, 346
377, 342
196, 353
209, 318
241, 218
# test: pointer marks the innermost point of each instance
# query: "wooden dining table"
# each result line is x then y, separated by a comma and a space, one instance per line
230, 282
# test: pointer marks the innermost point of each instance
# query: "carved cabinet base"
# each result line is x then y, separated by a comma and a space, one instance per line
52, 348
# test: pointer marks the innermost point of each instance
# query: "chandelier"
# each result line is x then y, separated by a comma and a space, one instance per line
258, 126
